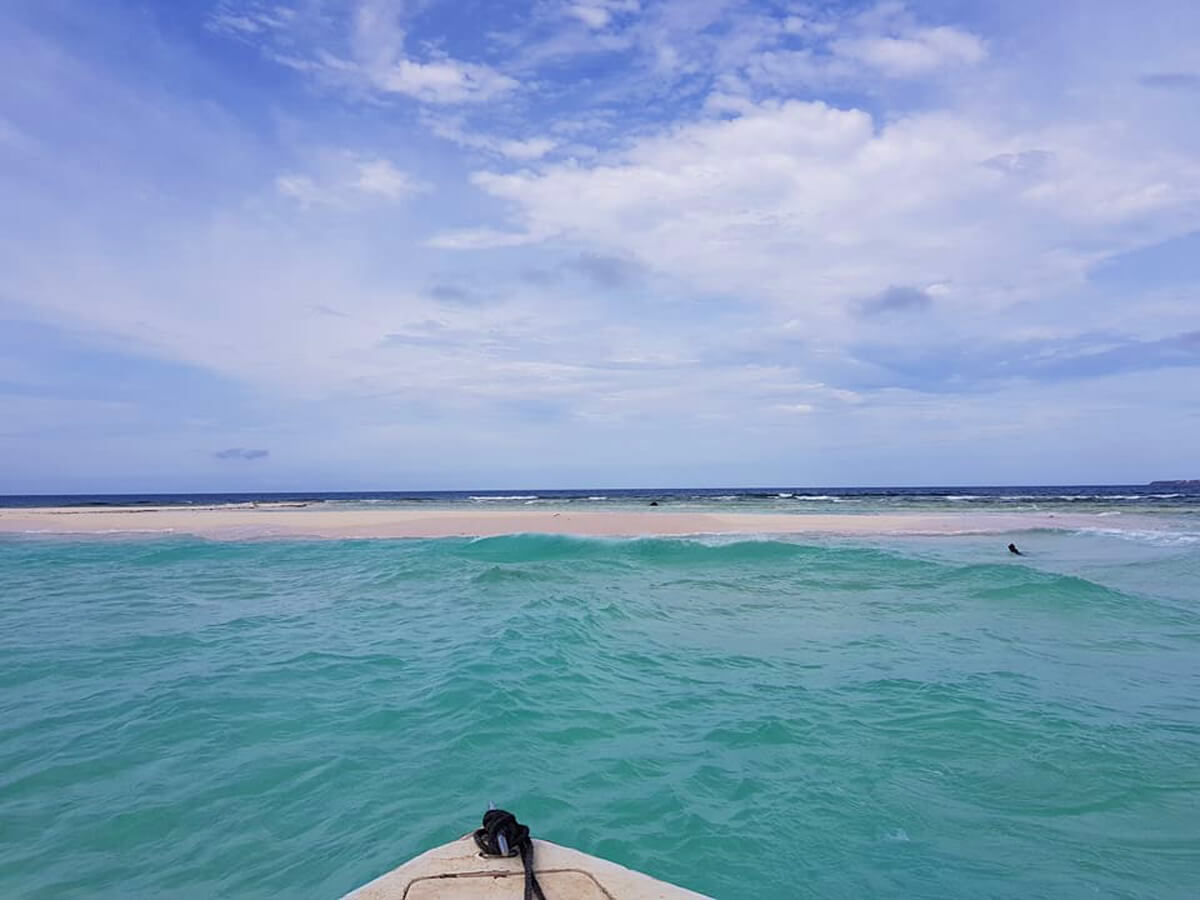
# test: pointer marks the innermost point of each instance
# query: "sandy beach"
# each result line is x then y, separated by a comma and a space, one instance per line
240, 522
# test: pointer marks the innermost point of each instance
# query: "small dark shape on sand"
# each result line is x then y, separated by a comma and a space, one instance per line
1012, 548
654, 503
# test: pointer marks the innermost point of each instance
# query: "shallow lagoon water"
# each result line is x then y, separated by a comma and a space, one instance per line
769, 718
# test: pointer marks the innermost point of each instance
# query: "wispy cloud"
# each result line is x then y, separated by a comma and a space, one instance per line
913, 52
600, 14
525, 148
241, 453
345, 179
364, 49
440, 80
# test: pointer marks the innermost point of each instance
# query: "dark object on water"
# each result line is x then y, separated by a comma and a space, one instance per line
654, 503
1012, 548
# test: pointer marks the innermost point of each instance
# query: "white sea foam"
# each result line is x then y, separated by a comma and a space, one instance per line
1098, 498
509, 497
1158, 538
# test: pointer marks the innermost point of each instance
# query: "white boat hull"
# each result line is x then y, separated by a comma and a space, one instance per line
458, 871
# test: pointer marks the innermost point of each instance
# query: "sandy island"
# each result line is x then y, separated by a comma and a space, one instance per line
283, 521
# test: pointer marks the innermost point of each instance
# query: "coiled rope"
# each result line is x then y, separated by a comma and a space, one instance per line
503, 835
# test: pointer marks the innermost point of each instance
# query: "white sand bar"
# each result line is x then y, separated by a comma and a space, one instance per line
234, 522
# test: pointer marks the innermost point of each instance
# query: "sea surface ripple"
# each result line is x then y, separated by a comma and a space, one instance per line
748, 718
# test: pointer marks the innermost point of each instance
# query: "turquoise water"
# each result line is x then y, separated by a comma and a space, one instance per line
906, 717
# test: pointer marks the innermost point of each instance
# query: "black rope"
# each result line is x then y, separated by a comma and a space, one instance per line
498, 823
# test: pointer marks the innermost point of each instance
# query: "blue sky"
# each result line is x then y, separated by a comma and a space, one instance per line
376, 244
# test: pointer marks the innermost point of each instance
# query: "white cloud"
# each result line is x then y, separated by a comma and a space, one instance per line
244, 19
680, 41
598, 14
481, 239
529, 148
523, 149
809, 207
592, 16
365, 49
854, 52
917, 52
345, 179
380, 177
441, 81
